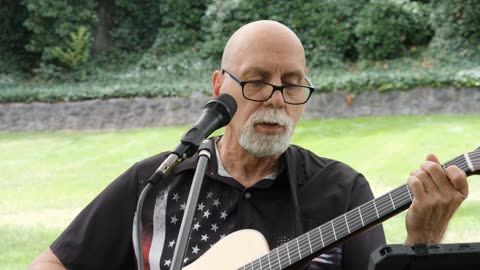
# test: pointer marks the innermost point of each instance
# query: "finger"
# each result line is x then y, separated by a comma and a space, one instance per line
428, 184
458, 179
417, 188
437, 176
433, 158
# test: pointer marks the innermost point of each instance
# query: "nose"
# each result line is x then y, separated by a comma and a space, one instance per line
276, 100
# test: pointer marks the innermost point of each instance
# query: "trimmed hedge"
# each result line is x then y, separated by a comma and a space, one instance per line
193, 75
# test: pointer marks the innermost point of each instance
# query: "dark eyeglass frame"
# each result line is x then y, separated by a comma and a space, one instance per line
275, 87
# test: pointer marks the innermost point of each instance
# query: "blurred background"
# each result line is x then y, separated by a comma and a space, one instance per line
64, 51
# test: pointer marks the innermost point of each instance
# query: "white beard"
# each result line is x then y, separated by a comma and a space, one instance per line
266, 145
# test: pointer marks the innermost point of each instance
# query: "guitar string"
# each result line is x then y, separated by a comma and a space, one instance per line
284, 262
343, 229
342, 226
473, 159
472, 155
340, 229
354, 221
299, 239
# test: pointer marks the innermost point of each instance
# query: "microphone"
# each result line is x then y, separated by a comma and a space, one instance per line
216, 114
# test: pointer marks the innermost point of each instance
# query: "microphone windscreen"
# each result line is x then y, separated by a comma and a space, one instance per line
226, 105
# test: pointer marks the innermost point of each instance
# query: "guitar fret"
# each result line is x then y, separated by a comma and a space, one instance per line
309, 242
279, 261
391, 199
360, 213
327, 233
370, 215
409, 193
353, 218
299, 252
304, 242
376, 210
288, 253
321, 237
269, 264
469, 162
333, 229
346, 222
260, 263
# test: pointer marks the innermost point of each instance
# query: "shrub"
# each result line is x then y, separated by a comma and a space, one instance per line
51, 23
326, 30
77, 51
385, 28
14, 37
175, 34
456, 24
135, 24
325, 27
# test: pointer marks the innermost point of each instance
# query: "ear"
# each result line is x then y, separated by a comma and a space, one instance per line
216, 82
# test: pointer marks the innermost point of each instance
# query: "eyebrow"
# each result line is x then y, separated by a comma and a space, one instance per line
267, 74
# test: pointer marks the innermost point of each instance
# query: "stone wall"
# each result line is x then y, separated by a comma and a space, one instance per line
143, 112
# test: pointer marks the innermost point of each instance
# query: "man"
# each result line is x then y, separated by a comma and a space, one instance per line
256, 179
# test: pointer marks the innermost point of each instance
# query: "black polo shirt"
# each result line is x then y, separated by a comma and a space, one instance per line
100, 236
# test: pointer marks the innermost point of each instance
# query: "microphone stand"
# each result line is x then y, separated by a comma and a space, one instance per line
186, 226
217, 113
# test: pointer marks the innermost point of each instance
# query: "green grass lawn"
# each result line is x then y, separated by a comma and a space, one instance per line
47, 177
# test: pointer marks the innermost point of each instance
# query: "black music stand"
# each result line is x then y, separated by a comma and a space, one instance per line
461, 256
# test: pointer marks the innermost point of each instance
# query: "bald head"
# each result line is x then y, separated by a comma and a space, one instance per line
262, 35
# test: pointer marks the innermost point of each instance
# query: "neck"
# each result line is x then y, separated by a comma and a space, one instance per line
243, 166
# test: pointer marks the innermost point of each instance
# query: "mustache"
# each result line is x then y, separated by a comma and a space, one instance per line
271, 116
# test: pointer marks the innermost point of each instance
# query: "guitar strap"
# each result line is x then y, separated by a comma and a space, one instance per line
295, 174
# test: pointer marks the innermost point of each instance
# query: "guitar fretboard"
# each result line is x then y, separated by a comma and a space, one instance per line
356, 220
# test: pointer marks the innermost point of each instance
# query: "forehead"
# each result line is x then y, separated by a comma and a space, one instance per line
271, 48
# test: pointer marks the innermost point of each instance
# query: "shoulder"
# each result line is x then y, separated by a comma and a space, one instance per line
316, 166
143, 169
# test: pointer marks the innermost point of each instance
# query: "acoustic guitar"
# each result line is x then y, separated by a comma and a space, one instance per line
252, 248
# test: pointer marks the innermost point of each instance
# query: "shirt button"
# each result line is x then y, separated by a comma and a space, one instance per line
247, 195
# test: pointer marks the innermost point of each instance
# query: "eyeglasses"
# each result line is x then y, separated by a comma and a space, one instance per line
262, 91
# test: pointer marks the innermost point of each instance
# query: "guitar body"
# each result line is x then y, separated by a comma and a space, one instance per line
232, 252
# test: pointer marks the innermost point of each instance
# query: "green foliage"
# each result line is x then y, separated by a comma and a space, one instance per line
385, 28
52, 21
14, 37
176, 35
171, 44
135, 24
182, 74
457, 27
77, 51
325, 27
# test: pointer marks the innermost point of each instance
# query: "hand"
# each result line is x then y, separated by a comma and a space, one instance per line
437, 195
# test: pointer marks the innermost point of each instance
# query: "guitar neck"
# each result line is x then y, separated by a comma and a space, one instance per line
357, 220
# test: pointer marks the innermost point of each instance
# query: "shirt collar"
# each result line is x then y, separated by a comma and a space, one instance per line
216, 166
